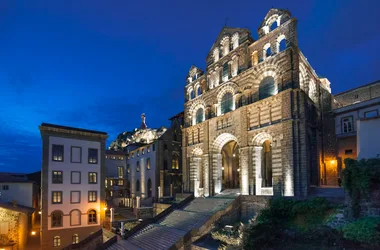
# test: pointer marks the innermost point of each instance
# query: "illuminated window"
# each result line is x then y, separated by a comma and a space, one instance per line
148, 149
226, 103
128, 169
121, 158
106, 156
75, 238
56, 219
111, 193
56, 241
148, 163
128, 156
175, 162
143, 151
138, 152
92, 156
120, 182
57, 152
56, 197
92, 178
57, 177
111, 182
113, 157
347, 124
120, 172
92, 217
92, 196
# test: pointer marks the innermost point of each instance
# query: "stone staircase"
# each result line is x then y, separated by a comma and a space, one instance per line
196, 217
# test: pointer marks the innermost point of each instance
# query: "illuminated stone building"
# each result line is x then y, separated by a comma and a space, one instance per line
257, 119
152, 163
72, 184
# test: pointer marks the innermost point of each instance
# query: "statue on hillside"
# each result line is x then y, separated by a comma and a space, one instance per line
143, 124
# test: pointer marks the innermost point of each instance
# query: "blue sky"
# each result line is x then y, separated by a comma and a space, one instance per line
100, 64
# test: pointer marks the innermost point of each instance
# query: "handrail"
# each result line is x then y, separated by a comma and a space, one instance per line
158, 216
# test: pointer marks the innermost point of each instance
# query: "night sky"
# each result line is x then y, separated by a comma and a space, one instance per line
100, 64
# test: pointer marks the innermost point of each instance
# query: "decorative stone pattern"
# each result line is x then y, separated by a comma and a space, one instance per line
17, 224
290, 119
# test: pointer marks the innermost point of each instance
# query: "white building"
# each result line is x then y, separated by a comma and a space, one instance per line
72, 190
368, 138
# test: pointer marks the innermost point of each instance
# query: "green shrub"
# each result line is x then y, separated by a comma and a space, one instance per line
259, 235
358, 176
278, 210
365, 230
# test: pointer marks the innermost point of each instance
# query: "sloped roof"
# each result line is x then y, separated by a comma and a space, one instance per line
272, 12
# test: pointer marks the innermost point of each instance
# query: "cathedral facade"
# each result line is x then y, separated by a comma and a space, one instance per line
254, 120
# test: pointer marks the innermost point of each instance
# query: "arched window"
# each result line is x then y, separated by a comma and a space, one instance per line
75, 216
199, 91
273, 25
199, 116
56, 241
57, 219
282, 45
149, 187
75, 238
148, 163
175, 162
225, 70
226, 103
137, 186
266, 171
92, 217
268, 52
267, 87
192, 95
194, 77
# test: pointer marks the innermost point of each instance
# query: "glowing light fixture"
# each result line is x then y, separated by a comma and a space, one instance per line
222, 168
233, 155
39, 212
332, 161
33, 232
238, 169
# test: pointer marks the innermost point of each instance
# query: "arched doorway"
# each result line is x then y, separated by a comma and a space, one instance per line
230, 166
266, 166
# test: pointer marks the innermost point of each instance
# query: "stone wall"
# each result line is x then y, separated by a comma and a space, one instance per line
363, 93
252, 205
17, 224
144, 213
159, 207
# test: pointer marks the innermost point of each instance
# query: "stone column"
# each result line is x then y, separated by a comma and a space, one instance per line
142, 179
137, 201
122, 228
159, 191
206, 180
243, 165
217, 172
258, 162
112, 215
197, 175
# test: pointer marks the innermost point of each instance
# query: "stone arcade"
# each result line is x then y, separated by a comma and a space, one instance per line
254, 119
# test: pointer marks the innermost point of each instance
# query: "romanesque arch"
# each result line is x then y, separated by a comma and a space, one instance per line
263, 163
195, 106
227, 88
